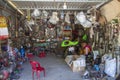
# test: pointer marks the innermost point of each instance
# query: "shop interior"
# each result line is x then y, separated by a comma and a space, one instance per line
59, 39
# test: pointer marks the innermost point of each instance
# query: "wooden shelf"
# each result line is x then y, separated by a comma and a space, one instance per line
67, 30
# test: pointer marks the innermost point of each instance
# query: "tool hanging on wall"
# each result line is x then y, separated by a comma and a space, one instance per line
27, 25
91, 32
28, 14
119, 38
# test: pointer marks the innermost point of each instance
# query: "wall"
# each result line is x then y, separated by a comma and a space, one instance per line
111, 9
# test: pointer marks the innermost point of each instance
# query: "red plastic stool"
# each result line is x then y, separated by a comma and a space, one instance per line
30, 55
42, 54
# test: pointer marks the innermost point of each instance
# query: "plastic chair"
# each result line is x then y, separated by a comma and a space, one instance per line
36, 68
42, 54
30, 55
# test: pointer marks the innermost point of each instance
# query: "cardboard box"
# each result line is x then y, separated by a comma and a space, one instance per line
76, 63
69, 60
75, 57
76, 67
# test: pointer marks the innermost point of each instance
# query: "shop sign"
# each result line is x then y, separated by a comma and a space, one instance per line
3, 22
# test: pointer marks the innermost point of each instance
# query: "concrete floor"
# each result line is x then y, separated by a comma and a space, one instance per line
56, 69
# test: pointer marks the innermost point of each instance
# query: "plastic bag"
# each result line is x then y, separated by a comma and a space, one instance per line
31, 22
36, 13
110, 67
81, 17
54, 19
84, 37
106, 56
44, 15
86, 24
95, 53
67, 18
62, 15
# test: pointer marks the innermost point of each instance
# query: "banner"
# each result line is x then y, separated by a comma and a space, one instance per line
3, 28
3, 22
3, 33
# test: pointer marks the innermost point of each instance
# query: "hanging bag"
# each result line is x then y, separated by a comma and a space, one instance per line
54, 18
110, 67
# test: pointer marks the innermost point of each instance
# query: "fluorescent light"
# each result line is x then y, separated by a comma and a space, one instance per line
15, 7
20, 11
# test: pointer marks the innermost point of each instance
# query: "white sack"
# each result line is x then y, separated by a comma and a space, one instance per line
36, 13
86, 24
106, 56
110, 67
82, 61
44, 14
31, 22
81, 17
67, 18
54, 19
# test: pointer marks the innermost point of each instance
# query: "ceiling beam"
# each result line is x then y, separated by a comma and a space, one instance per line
44, 8
15, 7
65, 0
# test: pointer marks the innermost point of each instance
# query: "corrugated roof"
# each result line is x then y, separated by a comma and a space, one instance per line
57, 4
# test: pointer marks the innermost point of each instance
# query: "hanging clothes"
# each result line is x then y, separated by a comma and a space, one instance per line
22, 52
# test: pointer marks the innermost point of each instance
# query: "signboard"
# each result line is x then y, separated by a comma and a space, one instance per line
3, 22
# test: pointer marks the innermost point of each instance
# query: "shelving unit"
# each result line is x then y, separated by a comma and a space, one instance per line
67, 32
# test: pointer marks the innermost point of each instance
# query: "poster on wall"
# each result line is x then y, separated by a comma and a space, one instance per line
3, 22
3, 28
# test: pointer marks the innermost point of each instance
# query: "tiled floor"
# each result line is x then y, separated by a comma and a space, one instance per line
56, 69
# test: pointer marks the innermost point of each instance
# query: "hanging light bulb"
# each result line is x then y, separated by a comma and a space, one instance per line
64, 6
